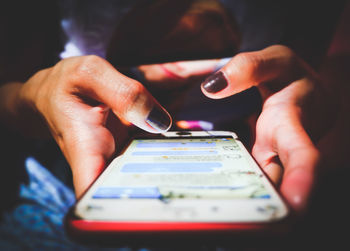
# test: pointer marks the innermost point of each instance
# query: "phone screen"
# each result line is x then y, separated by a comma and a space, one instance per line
184, 172
195, 168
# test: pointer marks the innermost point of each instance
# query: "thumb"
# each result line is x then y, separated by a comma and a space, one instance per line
287, 150
274, 66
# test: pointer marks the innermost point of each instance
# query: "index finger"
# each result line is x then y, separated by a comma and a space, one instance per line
128, 98
276, 65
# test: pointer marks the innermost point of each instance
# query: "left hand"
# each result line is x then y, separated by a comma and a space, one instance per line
297, 111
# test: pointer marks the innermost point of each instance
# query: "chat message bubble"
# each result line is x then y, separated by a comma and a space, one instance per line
174, 144
126, 192
172, 153
170, 167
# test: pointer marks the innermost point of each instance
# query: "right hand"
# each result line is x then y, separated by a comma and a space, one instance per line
74, 98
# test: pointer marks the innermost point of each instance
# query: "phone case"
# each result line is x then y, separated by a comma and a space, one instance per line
147, 232
161, 233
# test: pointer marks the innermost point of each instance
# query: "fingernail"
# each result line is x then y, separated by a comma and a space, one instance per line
215, 83
159, 119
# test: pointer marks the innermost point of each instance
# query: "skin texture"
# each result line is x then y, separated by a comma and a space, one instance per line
292, 117
76, 98
87, 106
84, 102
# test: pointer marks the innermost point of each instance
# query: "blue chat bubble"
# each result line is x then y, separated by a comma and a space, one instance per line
187, 167
126, 192
175, 144
172, 153
264, 196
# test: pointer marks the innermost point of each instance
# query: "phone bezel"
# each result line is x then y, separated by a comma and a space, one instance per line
83, 226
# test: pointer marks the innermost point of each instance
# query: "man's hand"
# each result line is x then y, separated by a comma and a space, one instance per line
296, 111
74, 98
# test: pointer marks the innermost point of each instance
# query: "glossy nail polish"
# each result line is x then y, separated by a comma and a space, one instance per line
159, 119
215, 83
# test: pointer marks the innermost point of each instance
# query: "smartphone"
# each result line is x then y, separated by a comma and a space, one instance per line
179, 183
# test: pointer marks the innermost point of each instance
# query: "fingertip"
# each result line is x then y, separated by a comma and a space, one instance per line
297, 189
215, 83
297, 203
224, 83
159, 119
151, 118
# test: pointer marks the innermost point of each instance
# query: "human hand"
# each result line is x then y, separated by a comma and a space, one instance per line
176, 74
75, 96
175, 78
297, 111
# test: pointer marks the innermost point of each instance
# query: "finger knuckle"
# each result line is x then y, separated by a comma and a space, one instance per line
131, 94
249, 63
88, 67
288, 54
285, 50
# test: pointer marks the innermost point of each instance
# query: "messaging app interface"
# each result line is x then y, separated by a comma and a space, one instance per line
188, 168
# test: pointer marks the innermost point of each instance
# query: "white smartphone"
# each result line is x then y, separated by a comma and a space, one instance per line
180, 182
